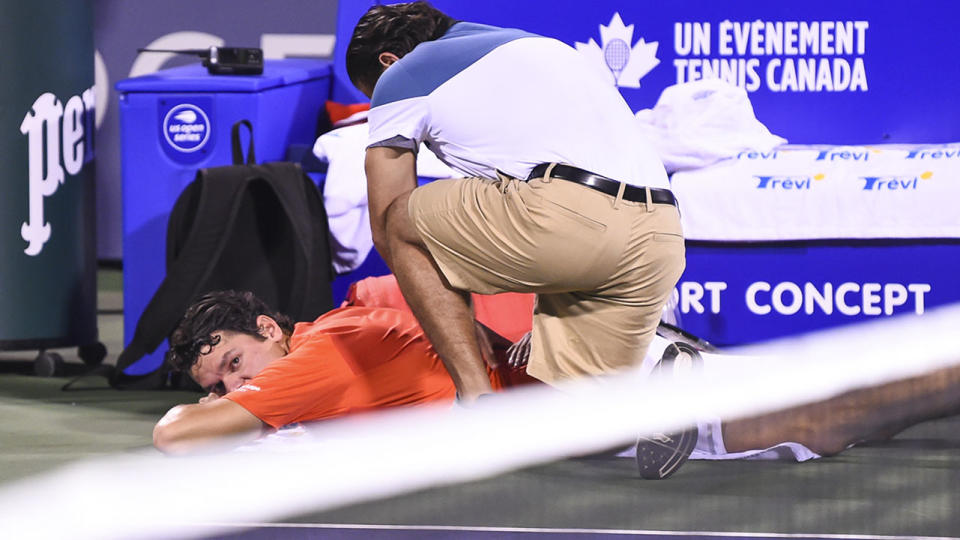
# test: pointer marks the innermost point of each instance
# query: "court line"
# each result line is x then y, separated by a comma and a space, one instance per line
550, 530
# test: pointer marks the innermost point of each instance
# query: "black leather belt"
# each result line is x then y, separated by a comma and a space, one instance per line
603, 184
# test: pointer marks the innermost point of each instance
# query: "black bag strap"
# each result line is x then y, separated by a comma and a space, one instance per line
319, 272
220, 194
301, 201
235, 143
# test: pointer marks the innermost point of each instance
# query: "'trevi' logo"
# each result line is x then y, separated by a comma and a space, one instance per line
626, 61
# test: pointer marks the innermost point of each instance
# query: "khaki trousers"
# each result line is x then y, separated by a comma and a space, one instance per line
602, 267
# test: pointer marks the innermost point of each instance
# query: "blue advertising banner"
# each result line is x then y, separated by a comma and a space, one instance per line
851, 77
820, 72
733, 294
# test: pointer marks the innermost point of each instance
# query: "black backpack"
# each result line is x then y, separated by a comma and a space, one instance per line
260, 228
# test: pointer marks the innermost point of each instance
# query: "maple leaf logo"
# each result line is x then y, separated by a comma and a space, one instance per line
625, 64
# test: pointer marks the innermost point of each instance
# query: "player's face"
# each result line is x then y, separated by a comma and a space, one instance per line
233, 361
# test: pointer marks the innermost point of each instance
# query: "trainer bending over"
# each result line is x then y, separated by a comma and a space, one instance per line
564, 198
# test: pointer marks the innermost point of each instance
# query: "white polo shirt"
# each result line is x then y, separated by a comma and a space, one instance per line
484, 99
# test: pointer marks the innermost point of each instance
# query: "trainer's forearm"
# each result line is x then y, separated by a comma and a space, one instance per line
446, 318
444, 313
391, 174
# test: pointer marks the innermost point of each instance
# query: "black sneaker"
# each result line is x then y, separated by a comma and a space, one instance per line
661, 454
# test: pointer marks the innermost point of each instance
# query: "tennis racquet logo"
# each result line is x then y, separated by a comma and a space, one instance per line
625, 61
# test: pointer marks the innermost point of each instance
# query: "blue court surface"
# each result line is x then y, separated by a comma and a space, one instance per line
907, 487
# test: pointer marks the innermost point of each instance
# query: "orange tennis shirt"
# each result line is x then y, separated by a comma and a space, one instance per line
349, 360
354, 359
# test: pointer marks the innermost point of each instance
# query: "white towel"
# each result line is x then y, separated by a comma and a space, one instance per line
698, 123
345, 191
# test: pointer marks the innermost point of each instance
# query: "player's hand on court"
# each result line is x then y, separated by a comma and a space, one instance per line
519, 353
209, 397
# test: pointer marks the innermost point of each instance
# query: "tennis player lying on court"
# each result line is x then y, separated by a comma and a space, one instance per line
263, 372
270, 372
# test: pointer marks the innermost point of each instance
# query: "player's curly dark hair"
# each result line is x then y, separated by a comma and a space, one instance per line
397, 29
220, 311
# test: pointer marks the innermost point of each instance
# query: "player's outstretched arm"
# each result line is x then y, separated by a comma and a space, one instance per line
188, 427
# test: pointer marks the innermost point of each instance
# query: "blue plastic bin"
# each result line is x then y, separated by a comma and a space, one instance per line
177, 121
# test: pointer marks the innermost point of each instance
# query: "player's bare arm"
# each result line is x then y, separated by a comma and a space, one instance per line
189, 427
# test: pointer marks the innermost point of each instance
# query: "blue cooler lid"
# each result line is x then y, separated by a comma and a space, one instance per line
194, 78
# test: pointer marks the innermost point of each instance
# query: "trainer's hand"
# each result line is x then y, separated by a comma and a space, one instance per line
519, 353
486, 345
209, 397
